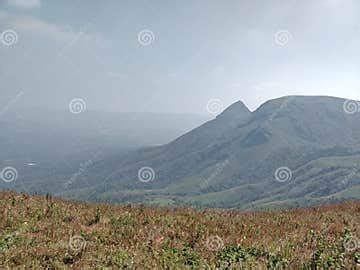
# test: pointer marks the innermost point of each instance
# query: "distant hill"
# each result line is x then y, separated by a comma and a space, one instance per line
50, 146
291, 151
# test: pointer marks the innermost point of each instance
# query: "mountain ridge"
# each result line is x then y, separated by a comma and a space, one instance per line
290, 131
231, 161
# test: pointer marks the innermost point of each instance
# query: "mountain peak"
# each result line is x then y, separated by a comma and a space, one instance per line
237, 110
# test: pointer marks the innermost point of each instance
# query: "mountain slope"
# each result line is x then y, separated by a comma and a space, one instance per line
59, 144
231, 161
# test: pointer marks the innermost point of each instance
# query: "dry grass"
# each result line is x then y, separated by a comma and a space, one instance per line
37, 232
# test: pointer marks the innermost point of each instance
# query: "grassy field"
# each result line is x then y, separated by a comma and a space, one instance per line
42, 232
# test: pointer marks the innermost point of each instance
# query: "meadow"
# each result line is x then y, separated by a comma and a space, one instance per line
42, 232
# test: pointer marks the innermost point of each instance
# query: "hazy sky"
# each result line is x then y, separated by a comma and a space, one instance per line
198, 50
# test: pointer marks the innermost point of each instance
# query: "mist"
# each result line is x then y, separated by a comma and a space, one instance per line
157, 56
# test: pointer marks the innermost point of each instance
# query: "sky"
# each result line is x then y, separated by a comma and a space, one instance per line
175, 56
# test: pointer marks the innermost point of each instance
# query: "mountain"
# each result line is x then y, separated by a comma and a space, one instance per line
48, 147
291, 151
231, 161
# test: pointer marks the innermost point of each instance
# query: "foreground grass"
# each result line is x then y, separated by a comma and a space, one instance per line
42, 232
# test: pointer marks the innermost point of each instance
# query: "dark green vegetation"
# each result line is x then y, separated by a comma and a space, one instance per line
46, 233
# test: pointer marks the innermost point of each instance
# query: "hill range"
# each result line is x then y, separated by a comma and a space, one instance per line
291, 151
